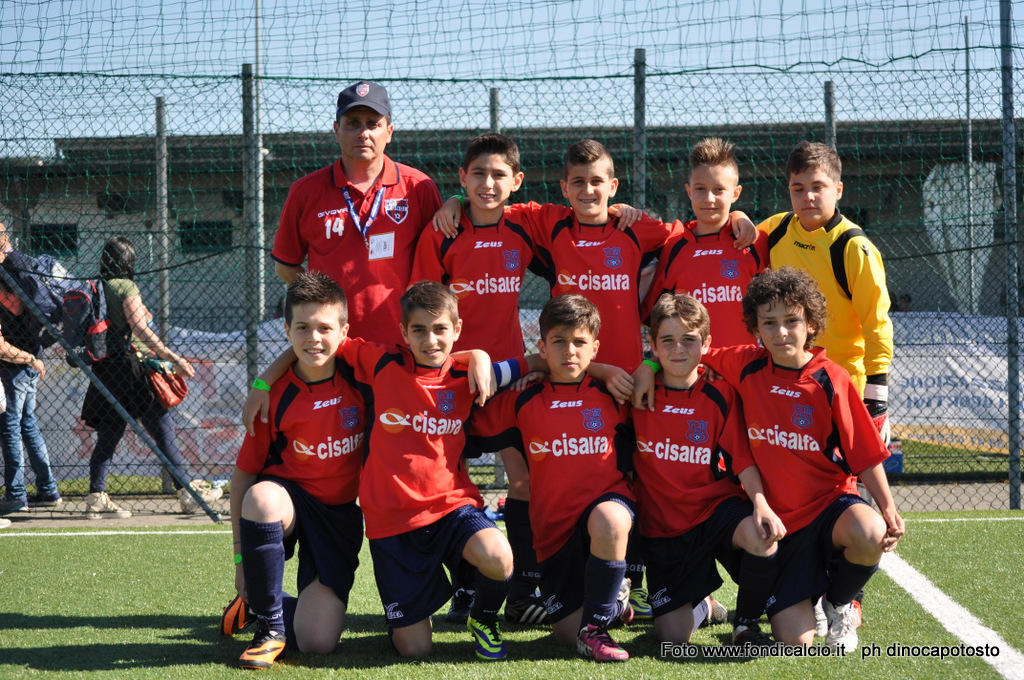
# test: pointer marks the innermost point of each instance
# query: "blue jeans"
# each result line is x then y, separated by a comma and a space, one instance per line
19, 427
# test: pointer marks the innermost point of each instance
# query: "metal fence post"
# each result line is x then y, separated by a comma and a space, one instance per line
495, 107
830, 114
163, 243
639, 182
252, 218
1010, 237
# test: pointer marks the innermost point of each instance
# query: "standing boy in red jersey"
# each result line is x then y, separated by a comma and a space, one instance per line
359, 218
691, 456
295, 482
811, 437
484, 265
582, 507
699, 258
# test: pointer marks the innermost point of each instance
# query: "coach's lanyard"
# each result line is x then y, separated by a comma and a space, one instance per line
369, 218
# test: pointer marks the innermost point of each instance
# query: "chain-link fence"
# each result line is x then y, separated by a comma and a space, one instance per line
916, 100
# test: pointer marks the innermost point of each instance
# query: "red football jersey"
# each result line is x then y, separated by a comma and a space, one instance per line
688, 454
568, 435
414, 473
315, 436
374, 271
809, 431
484, 267
711, 270
603, 264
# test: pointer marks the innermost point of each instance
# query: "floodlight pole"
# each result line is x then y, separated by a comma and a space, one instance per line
252, 217
163, 242
969, 174
830, 114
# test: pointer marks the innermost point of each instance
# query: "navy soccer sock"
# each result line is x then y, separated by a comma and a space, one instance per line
490, 595
847, 580
756, 579
601, 581
526, 574
288, 604
634, 562
262, 553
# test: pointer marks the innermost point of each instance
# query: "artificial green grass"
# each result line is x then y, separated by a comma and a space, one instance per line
147, 606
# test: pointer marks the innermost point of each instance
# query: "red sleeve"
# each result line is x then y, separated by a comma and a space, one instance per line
729, 361
289, 246
676, 230
495, 423
427, 265
859, 439
362, 356
652, 234
760, 246
253, 454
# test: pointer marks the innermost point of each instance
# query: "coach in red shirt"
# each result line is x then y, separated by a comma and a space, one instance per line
359, 219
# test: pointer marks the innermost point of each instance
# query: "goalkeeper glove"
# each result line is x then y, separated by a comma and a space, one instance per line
876, 398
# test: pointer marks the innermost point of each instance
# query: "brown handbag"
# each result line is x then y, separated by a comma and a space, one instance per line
168, 386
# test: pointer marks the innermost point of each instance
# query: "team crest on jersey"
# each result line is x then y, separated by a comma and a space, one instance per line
730, 269
349, 417
592, 419
803, 416
512, 261
445, 401
397, 209
613, 257
697, 431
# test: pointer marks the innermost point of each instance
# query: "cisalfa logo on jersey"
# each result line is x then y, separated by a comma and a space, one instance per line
332, 448
775, 436
567, 446
486, 284
568, 281
394, 421
668, 451
706, 294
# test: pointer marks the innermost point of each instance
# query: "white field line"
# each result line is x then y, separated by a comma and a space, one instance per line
30, 534
971, 519
953, 617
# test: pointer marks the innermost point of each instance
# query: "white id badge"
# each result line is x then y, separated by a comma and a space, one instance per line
382, 246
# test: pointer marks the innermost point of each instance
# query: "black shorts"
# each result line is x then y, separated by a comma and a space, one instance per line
409, 567
806, 557
329, 538
681, 569
561, 575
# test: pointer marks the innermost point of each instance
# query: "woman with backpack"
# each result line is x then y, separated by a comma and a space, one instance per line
124, 374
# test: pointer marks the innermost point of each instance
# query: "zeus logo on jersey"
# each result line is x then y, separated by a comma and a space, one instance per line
324, 403
332, 448
706, 293
567, 446
666, 450
485, 285
588, 244
677, 409
785, 392
566, 404
591, 281
488, 244
394, 421
794, 441
700, 253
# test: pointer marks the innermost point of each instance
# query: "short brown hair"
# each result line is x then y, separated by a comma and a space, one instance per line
687, 309
572, 311
432, 297
495, 144
587, 151
791, 287
317, 288
713, 152
814, 156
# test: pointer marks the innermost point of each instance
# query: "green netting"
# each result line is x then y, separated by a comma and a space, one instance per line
80, 80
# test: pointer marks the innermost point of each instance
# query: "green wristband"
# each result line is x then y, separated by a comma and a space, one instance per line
258, 384
238, 558
653, 365
460, 199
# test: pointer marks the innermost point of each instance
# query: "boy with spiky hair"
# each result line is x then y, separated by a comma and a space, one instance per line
295, 483
691, 456
484, 265
811, 437
571, 432
699, 258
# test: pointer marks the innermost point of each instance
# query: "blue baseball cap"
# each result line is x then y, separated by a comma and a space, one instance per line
367, 94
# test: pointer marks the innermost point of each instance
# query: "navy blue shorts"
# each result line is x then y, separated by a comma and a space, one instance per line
681, 569
409, 567
806, 557
329, 538
561, 575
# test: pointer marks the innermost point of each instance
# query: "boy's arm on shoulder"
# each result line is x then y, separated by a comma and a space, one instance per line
743, 229
257, 401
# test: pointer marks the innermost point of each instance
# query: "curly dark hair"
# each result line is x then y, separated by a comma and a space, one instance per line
792, 287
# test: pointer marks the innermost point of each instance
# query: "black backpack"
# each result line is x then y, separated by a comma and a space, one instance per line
86, 324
